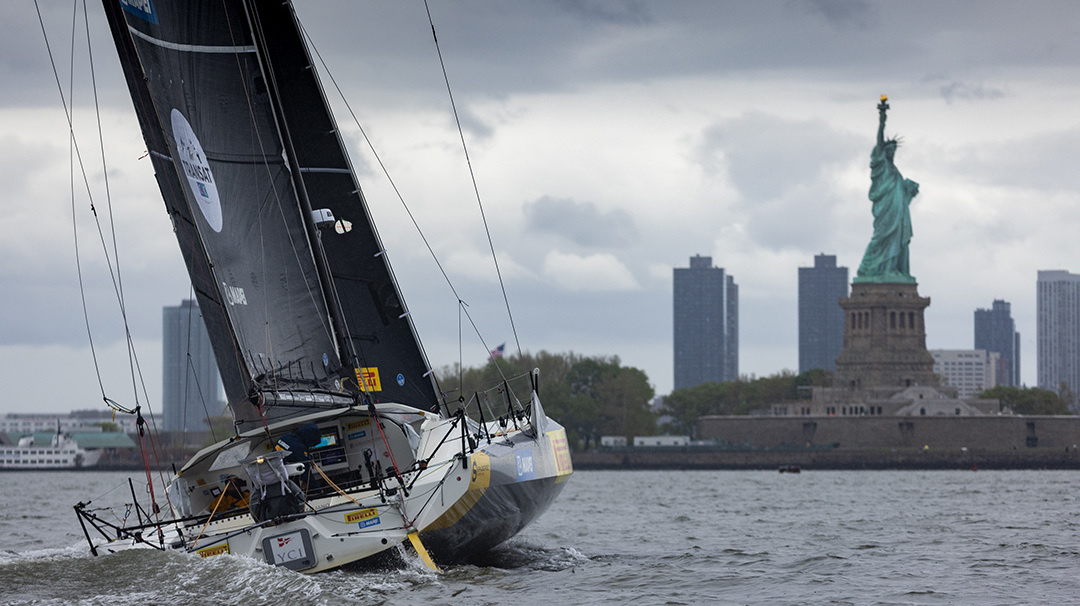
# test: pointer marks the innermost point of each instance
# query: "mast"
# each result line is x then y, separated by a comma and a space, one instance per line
345, 350
374, 326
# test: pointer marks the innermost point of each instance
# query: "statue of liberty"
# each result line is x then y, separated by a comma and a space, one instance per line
886, 257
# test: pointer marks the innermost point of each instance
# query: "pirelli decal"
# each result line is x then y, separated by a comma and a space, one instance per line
207, 552
368, 378
365, 517
563, 465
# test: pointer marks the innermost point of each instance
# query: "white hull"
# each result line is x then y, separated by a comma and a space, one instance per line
62, 453
348, 520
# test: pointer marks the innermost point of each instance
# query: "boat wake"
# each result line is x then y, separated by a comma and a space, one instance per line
524, 554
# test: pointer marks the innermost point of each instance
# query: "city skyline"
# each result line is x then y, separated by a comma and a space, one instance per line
1059, 331
191, 382
609, 142
821, 319
705, 301
995, 331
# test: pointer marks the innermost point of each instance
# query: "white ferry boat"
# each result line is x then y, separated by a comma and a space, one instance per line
61, 452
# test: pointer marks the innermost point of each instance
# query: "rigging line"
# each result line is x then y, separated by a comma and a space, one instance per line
108, 203
184, 399
194, 374
460, 353
74, 144
202, 399
378, 159
472, 175
75, 231
134, 367
397, 191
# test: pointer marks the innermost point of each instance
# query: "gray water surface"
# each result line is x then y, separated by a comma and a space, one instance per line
630, 537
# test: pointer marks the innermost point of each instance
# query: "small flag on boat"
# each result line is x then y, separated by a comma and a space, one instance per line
498, 351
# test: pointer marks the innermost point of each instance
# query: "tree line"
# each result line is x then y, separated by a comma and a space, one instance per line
589, 396
593, 396
1029, 401
744, 396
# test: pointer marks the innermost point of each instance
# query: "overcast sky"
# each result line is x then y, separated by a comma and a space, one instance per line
611, 142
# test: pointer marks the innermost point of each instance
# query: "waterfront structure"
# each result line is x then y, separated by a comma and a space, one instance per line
191, 384
995, 332
706, 319
1058, 331
78, 421
970, 371
821, 320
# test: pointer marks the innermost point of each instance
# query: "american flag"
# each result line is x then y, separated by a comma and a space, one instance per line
498, 351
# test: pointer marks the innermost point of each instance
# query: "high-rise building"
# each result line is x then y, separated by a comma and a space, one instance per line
968, 370
191, 383
995, 331
706, 324
821, 319
1058, 323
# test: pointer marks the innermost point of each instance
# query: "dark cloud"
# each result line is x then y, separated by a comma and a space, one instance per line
844, 13
953, 91
581, 222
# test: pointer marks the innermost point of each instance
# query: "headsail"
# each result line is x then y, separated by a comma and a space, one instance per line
245, 149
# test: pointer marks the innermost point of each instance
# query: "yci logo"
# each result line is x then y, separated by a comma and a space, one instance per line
197, 170
288, 548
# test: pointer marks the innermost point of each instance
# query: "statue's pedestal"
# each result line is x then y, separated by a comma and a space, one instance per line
884, 338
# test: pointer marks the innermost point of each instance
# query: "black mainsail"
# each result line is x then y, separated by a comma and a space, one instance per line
289, 272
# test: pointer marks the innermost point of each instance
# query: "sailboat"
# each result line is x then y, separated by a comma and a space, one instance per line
311, 335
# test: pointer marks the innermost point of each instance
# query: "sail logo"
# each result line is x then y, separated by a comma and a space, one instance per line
143, 9
234, 294
197, 170
368, 378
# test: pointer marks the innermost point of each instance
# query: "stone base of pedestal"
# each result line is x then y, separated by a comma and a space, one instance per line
884, 338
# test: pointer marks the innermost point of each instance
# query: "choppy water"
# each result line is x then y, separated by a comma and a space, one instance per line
694, 537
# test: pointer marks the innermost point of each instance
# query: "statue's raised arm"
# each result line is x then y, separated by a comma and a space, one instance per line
882, 107
886, 257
